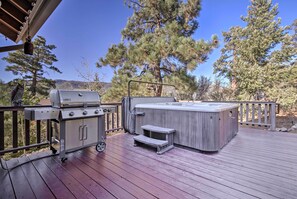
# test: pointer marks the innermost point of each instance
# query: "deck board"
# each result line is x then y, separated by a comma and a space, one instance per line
148, 174
96, 189
37, 185
255, 164
6, 189
19, 181
187, 171
109, 185
74, 186
120, 178
55, 185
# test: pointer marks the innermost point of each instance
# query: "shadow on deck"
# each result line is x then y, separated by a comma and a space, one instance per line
255, 164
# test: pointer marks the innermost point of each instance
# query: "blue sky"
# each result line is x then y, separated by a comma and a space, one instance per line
83, 32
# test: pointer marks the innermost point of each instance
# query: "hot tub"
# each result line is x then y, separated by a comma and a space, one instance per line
202, 126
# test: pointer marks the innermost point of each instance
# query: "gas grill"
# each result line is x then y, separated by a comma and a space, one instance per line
80, 118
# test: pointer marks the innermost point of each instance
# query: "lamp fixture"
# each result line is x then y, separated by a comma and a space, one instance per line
28, 46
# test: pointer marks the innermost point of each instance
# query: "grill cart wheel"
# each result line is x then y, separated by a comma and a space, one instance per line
54, 151
63, 159
101, 146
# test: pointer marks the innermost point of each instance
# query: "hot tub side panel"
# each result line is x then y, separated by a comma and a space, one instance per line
199, 130
228, 125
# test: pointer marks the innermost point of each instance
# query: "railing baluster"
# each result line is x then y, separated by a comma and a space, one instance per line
117, 111
272, 116
14, 129
112, 120
253, 113
38, 137
1, 130
241, 113
259, 114
107, 121
48, 130
247, 112
265, 114
27, 132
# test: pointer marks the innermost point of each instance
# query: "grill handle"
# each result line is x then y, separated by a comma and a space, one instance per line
86, 132
80, 132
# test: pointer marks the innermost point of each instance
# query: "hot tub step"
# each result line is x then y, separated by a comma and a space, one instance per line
157, 129
150, 141
161, 145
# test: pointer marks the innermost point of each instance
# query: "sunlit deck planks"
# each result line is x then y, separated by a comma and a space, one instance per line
255, 164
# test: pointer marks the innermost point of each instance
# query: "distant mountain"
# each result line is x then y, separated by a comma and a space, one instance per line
72, 84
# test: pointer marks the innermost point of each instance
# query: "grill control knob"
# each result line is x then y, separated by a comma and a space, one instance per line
71, 114
85, 113
96, 111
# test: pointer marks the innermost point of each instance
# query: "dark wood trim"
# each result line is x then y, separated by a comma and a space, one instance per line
112, 120
23, 6
15, 24
1, 130
48, 130
14, 150
11, 48
13, 11
38, 135
107, 121
27, 132
8, 32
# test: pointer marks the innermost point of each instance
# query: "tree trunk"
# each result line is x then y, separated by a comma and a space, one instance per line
34, 84
157, 74
233, 83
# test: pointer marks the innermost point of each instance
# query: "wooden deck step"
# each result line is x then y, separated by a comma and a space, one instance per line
157, 129
150, 141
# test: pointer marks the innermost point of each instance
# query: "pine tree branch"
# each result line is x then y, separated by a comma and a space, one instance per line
138, 4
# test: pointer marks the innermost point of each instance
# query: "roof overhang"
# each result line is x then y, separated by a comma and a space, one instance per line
15, 15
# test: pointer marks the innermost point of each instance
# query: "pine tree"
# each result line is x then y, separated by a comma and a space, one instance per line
203, 86
254, 56
120, 81
157, 39
185, 84
31, 69
4, 94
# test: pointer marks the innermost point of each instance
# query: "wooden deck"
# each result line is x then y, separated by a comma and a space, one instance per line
255, 164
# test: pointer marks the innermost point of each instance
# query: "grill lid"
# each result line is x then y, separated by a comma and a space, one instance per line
70, 98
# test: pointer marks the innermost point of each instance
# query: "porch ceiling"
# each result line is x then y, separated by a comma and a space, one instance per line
14, 16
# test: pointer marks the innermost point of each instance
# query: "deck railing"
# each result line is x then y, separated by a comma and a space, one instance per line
256, 113
16, 133
20, 132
